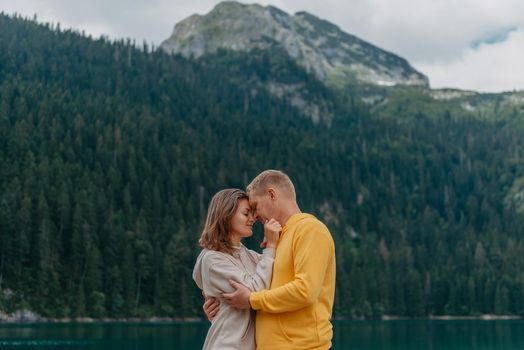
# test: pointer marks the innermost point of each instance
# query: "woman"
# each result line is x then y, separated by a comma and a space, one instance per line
224, 258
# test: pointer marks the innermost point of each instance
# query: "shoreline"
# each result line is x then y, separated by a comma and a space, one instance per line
485, 317
88, 320
26, 317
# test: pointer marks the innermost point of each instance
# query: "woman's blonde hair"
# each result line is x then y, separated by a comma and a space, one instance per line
222, 207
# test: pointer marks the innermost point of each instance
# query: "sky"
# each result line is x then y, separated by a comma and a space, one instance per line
465, 44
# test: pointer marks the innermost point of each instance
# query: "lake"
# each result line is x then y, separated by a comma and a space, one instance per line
369, 335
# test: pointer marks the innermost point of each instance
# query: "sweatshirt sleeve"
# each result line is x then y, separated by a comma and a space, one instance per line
313, 253
221, 270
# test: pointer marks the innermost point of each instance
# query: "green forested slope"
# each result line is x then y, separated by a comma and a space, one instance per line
110, 153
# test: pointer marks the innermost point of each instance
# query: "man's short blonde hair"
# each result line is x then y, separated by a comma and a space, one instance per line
271, 178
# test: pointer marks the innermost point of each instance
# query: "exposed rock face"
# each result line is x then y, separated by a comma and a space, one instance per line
20, 316
515, 196
450, 94
480, 102
335, 57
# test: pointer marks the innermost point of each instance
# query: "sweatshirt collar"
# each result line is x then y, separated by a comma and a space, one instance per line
295, 219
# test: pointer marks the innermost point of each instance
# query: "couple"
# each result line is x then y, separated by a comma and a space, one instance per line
291, 285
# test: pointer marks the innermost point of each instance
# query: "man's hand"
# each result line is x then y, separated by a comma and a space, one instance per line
211, 308
272, 229
239, 299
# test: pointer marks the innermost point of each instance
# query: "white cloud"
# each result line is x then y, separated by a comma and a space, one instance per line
436, 36
488, 67
419, 30
151, 20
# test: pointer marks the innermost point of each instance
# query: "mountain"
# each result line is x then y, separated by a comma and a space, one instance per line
338, 60
333, 56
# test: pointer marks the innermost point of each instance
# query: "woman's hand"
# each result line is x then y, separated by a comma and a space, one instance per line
272, 229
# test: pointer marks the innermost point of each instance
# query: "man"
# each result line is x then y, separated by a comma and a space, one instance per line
295, 312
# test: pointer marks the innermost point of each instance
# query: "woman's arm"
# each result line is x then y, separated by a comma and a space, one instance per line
222, 269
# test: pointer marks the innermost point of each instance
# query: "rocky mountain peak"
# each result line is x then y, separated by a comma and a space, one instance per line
321, 47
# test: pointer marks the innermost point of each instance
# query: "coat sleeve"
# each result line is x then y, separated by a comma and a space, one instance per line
313, 255
222, 269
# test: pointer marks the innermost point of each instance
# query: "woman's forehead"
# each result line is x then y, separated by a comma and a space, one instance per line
243, 203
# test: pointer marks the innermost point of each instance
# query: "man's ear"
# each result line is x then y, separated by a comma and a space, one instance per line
272, 193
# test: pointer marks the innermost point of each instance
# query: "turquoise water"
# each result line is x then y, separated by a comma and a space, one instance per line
369, 335
432, 335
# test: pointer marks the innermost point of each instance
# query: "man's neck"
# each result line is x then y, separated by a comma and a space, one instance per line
288, 211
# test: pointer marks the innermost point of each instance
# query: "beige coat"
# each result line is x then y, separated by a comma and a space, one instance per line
231, 328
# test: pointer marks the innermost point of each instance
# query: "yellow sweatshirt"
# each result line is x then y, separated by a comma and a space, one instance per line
295, 312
